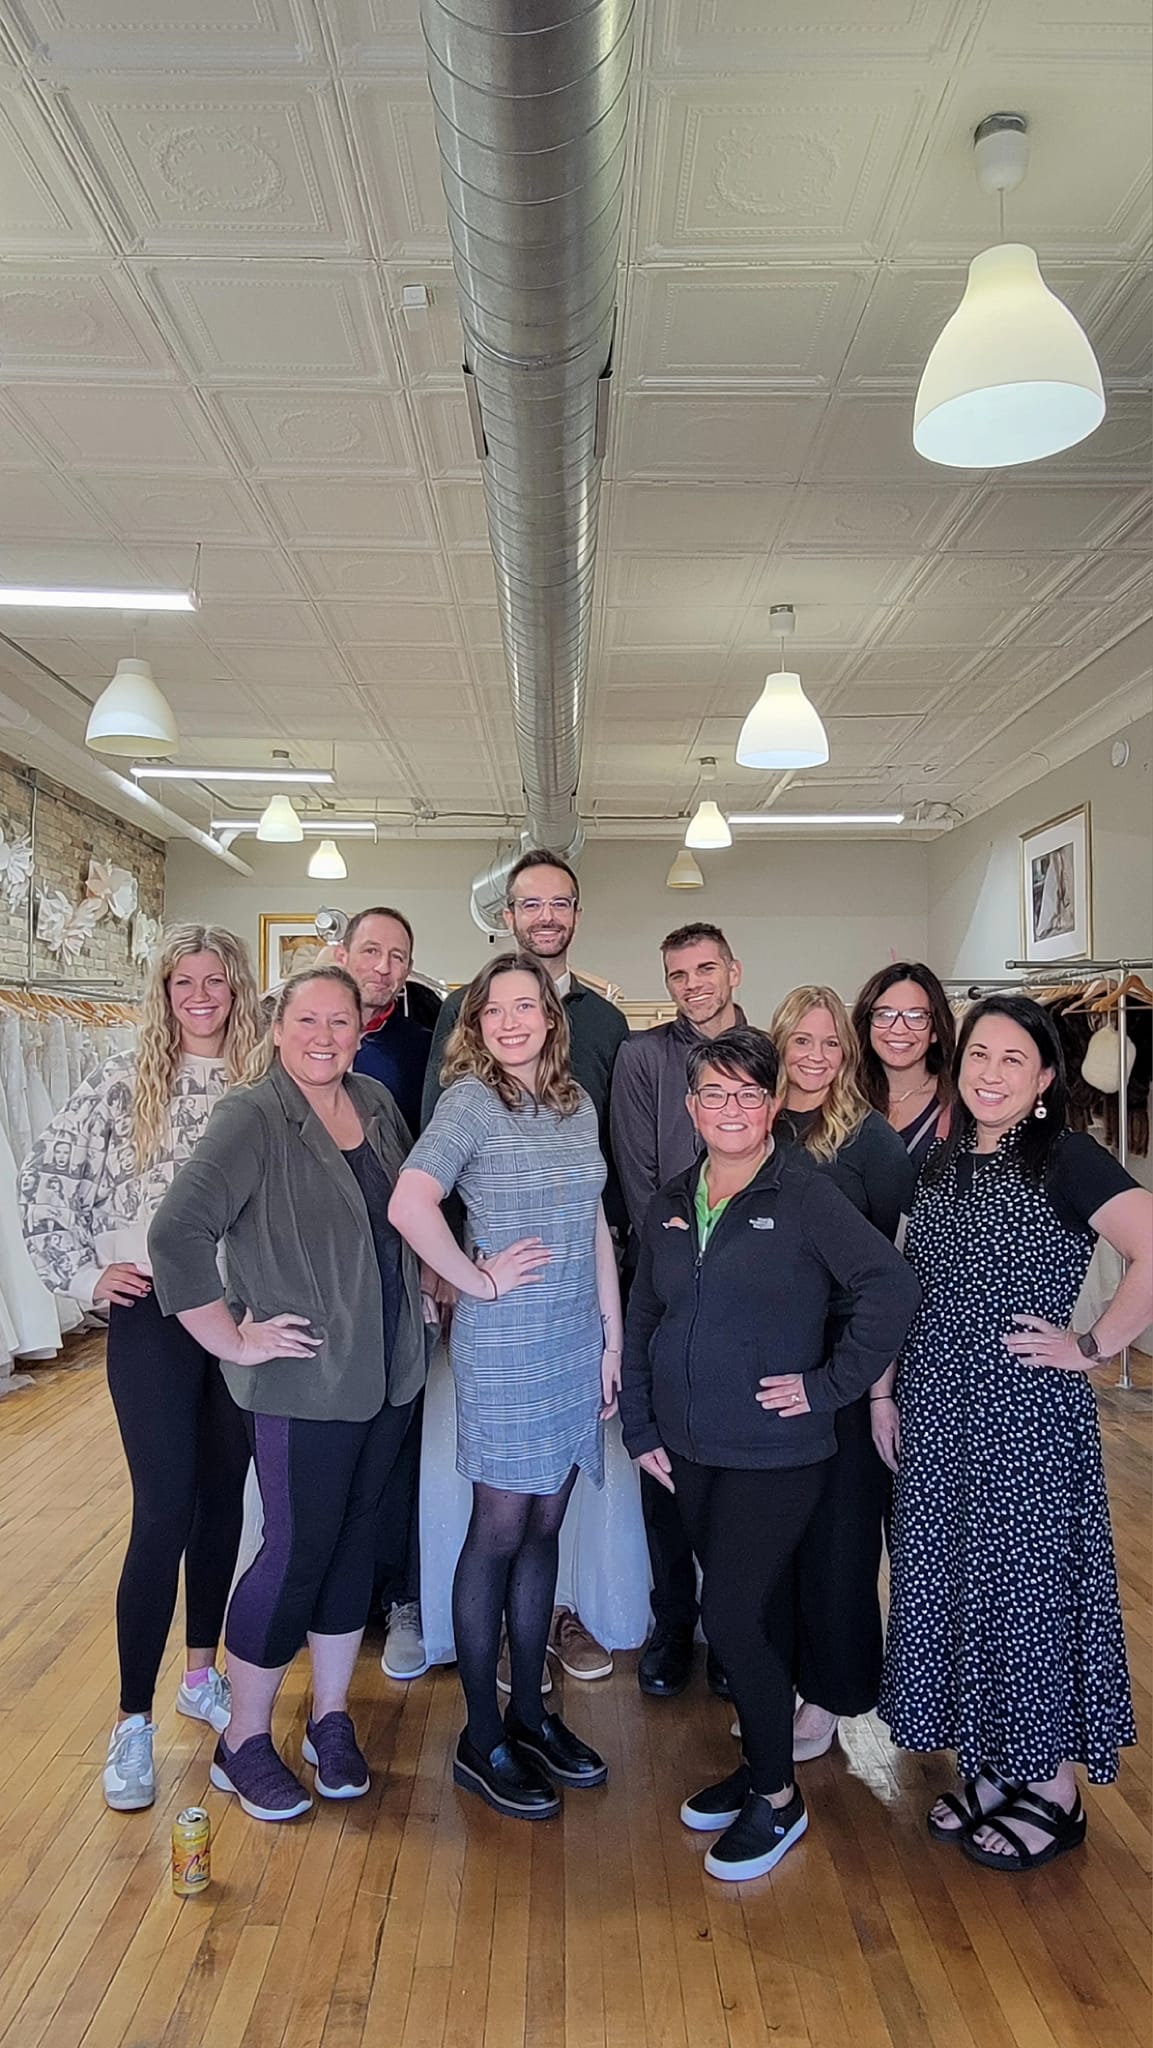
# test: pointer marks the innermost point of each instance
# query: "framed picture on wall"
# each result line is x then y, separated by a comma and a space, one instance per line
286, 945
1057, 888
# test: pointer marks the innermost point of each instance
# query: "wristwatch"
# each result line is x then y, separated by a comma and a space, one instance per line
1088, 1347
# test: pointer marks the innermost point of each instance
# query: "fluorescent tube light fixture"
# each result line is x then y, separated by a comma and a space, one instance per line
76, 599
816, 817
326, 827
278, 775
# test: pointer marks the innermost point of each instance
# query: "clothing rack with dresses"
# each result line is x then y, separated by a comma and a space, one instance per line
51, 1037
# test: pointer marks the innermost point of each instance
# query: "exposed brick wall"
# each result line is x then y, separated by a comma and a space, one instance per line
68, 831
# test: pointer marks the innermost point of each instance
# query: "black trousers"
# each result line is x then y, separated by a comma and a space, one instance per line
321, 1485
187, 1453
838, 1607
397, 1569
745, 1528
674, 1589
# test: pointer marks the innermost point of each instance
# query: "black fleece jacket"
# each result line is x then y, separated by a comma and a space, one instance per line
702, 1331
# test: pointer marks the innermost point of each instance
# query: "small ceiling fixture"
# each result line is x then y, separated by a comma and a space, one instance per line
707, 829
684, 872
1011, 377
279, 824
132, 716
327, 863
783, 729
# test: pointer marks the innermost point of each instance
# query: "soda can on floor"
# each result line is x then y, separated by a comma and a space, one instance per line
191, 1852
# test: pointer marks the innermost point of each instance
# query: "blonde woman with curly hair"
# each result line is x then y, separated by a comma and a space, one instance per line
535, 1353
89, 1190
838, 1612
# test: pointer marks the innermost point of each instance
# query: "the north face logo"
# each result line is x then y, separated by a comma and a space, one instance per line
762, 1222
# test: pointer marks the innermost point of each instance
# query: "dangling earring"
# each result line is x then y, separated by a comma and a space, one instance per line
1040, 1111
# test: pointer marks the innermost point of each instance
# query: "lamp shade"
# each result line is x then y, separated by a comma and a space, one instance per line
1011, 377
279, 823
782, 730
327, 863
684, 872
132, 716
707, 828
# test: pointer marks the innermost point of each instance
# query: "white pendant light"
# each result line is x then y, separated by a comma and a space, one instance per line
707, 828
327, 863
783, 730
132, 716
684, 872
279, 824
1012, 377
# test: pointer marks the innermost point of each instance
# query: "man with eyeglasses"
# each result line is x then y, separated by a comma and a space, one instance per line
653, 1141
542, 911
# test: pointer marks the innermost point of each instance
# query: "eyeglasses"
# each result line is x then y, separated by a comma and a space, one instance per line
915, 1019
561, 906
720, 1098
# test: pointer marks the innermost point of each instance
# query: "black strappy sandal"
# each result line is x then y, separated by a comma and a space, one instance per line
1067, 1831
967, 1807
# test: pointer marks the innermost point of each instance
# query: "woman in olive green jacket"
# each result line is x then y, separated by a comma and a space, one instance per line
292, 1182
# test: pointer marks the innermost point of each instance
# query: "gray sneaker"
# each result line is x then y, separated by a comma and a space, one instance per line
129, 1778
404, 1652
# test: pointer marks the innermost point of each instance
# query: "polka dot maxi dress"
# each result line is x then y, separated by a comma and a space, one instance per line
1005, 1636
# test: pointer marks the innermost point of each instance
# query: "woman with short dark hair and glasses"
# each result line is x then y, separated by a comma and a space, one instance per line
1005, 1636
906, 1033
728, 1396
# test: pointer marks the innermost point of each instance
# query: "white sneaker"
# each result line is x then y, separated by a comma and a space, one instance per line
129, 1779
210, 1701
404, 1652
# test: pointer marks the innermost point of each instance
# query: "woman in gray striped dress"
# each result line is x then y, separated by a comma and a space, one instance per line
535, 1352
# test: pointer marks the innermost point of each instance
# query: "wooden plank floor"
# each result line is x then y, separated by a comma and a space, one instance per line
416, 1917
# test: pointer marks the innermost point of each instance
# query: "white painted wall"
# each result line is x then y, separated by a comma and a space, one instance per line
826, 911
974, 873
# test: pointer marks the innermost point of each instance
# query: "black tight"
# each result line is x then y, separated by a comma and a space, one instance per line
507, 1570
187, 1453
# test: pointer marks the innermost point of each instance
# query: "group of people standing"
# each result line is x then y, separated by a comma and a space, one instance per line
825, 1272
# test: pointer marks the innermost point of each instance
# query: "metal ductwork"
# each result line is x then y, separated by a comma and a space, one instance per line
531, 100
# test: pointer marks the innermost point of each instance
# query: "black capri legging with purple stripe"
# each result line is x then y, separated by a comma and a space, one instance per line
321, 1485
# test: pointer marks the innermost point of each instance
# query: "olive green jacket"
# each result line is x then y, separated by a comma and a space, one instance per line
269, 1183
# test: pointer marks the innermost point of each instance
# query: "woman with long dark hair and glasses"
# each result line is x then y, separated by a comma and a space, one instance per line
906, 1033
1005, 1637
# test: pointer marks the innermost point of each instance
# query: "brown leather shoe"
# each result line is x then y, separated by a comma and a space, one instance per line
575, 1650
504, 1670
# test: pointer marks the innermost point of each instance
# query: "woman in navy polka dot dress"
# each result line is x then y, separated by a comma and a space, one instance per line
1005, 1635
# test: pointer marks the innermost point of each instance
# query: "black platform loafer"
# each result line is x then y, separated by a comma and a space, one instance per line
562, 1753
507, 1779
666, 1663
717, 1677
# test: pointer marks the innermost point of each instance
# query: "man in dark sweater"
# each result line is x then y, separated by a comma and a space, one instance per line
653, 1141
398, 1018
542, 911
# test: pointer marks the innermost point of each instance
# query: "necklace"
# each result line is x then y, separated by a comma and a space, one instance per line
922, 1088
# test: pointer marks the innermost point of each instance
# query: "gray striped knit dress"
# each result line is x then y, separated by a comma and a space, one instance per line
527, 1367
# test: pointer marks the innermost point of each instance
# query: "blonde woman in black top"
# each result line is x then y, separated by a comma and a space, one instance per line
839, 1640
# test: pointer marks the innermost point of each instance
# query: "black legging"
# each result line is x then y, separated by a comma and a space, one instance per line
838, 1605
745, 1527
187, 1455
507, 1569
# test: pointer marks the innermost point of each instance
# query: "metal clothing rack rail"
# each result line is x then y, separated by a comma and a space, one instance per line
1086, 970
